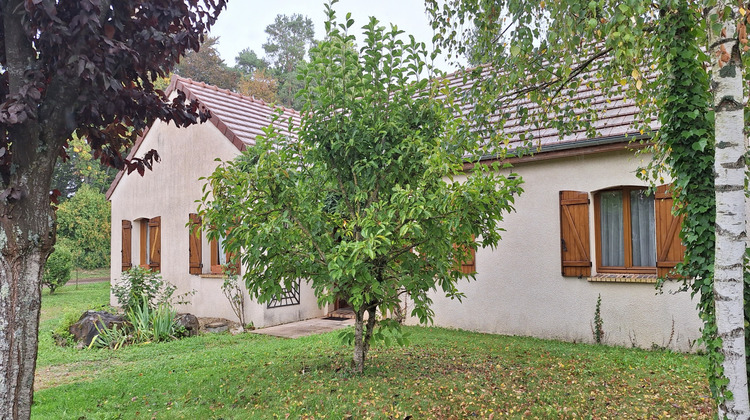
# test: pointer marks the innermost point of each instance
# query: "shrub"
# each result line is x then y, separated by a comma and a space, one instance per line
84, 220
140, 283
144, 324
233, 292
598, 327
61, 334
57, 268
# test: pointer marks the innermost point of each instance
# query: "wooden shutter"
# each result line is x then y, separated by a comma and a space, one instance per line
196, 246
127, 240
669, 249
574, 233
469, 265
233, 266
154, 239
215, 267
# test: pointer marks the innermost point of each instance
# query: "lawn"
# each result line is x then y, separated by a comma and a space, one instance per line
442, 374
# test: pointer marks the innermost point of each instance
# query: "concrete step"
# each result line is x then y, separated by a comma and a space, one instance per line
344, 313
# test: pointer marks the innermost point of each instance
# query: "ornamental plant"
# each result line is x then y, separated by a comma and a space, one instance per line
139, 285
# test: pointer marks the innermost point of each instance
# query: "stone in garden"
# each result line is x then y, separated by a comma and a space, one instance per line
85, 329
217, 327
190, 323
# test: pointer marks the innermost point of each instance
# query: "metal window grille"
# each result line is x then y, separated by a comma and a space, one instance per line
288, 297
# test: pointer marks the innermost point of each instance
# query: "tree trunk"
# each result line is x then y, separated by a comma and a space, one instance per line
359, 342
20, 300
370, 328
27, 235
363, 335
730, 208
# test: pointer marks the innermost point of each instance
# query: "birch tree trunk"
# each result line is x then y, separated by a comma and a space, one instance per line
729, 166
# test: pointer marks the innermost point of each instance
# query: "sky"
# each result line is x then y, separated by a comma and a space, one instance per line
243, 23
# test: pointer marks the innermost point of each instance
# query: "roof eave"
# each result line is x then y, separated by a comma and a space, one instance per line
517, 153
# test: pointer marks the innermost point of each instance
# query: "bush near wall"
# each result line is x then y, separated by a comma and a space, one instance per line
83, 220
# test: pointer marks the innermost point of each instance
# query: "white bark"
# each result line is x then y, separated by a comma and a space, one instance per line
730, 208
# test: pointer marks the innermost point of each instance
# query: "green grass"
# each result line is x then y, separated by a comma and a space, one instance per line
85, 274
442, 374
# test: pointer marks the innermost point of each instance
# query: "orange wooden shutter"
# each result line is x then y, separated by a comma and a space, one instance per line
233, 266
574, 233
669, 249
154, 238
469, 265
215, 266
127, 231
196, 247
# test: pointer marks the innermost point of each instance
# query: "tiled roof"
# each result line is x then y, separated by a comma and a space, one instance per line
240, 118
615, 117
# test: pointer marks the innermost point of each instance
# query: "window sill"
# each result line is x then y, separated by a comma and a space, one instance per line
212, 276
624, 278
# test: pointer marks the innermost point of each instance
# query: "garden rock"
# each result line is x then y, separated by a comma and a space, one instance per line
190, 323
85, 329
217, 327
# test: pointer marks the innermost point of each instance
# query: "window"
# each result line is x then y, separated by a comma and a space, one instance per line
288, 296
635, 232
220, 257
625, 231
150, 243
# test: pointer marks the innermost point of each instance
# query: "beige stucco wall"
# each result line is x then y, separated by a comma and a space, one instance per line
519, 288
170, 191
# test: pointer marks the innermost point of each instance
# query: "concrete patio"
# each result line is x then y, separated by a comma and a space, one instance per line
306, 327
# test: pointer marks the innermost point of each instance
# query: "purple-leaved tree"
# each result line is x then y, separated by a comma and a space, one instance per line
73, 66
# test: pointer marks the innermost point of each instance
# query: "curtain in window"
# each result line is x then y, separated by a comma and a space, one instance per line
613, 247
643, 229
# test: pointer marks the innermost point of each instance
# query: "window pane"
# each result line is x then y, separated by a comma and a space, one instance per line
222, 251
148, 241
613, 248
643, 229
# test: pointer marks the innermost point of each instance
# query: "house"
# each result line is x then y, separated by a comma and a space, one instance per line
585, 227
150, 213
